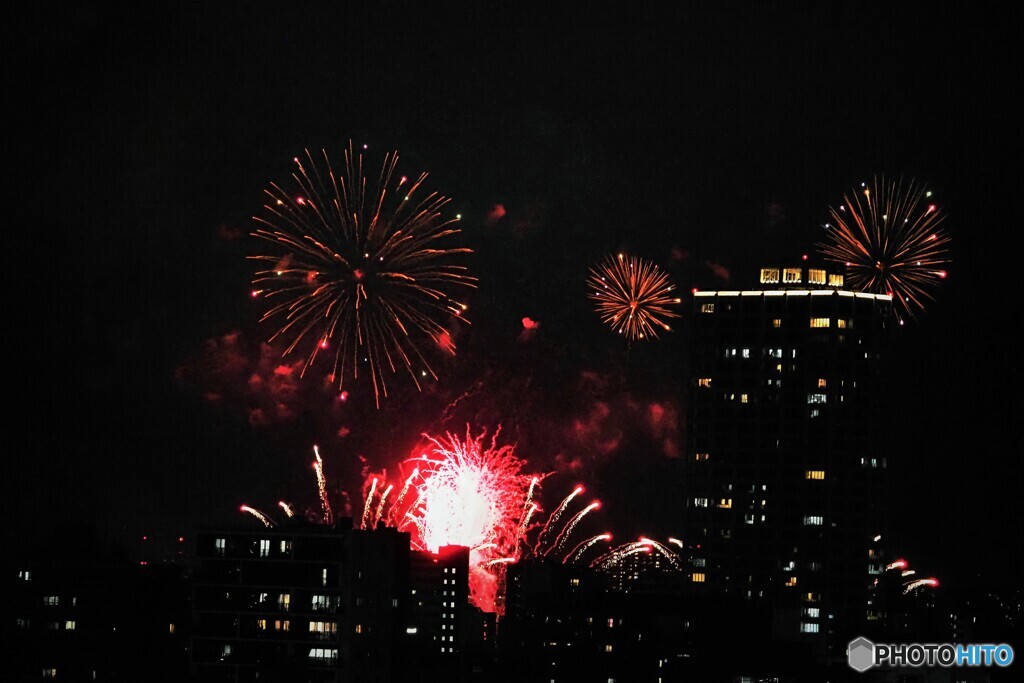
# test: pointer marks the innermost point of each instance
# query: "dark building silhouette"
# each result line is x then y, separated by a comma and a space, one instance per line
310, 602
80, 619
784, 473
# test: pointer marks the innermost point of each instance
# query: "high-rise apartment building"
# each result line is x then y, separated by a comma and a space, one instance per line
784, 472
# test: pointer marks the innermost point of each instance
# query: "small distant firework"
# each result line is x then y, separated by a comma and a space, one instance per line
360, 269
891, 238
634, 297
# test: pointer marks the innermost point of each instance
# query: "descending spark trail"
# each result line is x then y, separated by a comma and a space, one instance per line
554, 518
401, 495
570, 525
918, 583
664, 552
321, 483
287, 508
675, 541
521, 534
258, 515
368, 503
380, 505
582, 547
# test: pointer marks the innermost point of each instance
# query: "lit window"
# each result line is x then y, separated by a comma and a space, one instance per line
814, 566
707, 308
812, 612
835, 280
225, 651
611, 623
50, 672
700, 502
822, 383
725, 503
813, 520
51, 600
775, 353
815, 474
574, 582
284, 601
777, 323
323, 576
791, 275
817, 398
744, 398
769, 276
324, 603
219, 545
69, 625
261, 624
791, 581
25, 575
282, 625
700, 562
704, 382
285, 546
841, 323
607, 648
359, 628
698, 577
264, 547
821, 322
808, 627
815, 276
745, 353
324, 655
812, 597
815, 412
323, 629
748, 518
701, 456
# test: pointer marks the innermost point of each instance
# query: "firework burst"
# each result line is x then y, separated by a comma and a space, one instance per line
468, 492
633, 296
891, 238
360, 269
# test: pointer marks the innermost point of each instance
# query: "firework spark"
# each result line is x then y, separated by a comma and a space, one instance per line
288, 511
919, 583
567, 530
634, 297
553, 518
583, 546
366, 506
360, 269
321, 484
890, 237
267, 521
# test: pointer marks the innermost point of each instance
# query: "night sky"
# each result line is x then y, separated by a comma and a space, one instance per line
704, 139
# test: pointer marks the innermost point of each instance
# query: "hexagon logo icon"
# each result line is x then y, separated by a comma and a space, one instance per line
860, 654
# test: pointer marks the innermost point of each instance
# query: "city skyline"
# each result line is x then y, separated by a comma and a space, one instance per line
709, 142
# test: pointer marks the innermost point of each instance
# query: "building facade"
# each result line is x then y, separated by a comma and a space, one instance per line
784, 474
